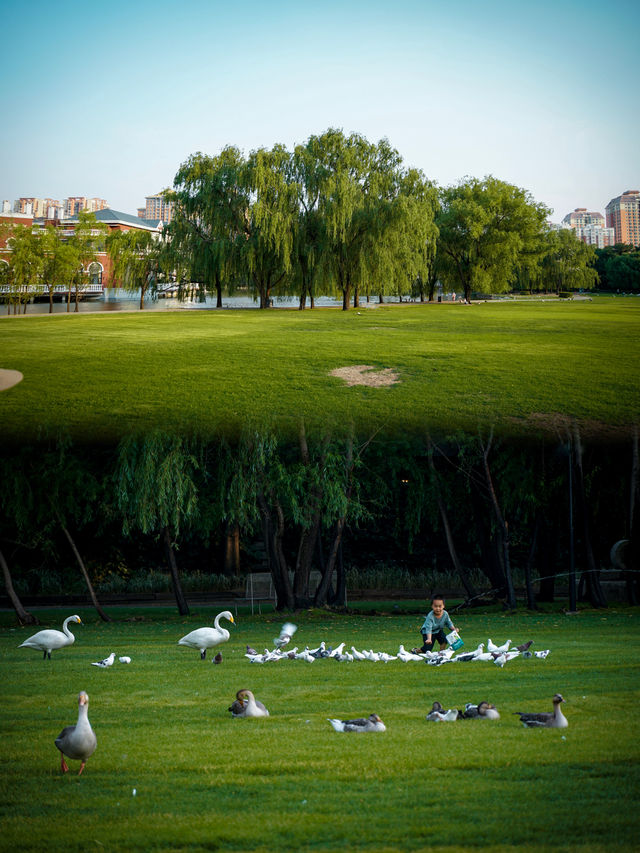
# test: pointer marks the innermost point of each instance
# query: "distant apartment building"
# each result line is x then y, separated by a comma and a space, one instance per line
623, 215
74, 204
39, 208
589, 226
581, 217
156, 208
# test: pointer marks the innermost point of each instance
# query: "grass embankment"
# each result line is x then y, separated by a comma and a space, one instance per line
204, 781
514, 365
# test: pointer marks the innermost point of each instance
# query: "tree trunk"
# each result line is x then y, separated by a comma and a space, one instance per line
528, 569
181, 601
594, 590
24, 617
272, 533
232, 550
503, 526
457, 565
323, 586
85, 573
309, 534
218, 286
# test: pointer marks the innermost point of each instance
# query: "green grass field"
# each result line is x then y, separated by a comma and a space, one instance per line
205, 781
517, 365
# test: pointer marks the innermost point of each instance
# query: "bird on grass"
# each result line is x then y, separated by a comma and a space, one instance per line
125, 659
372, 723
106, 662
246, 705
437, 714
525, 646
79, 741
48, 640
482, 711
547, 719
207, 638
217, 658
491, 647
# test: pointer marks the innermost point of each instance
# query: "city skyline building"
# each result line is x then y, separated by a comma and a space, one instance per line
623, 215
156, 207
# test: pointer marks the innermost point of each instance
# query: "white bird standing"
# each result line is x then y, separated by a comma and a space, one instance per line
125, 659
207, 638
246, 705
372, 723
79, 741
491, 647
357, 655
548, 719
106, 662
50, 639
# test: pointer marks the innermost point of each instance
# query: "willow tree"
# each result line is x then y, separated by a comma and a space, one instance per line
156, 492
87, 240
137, 258
209, 218
60, 262
567, 262
485, 229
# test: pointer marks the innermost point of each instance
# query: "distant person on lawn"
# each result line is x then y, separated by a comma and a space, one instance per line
436, 626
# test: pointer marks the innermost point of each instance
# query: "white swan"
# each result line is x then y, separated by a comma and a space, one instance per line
372, 723
79, 741
50, 639
206, 638
246, 705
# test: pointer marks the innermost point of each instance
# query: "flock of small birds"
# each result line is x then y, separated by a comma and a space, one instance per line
79, 742
498, 655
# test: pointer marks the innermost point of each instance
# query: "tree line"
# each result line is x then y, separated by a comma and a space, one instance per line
337, 215
552, 510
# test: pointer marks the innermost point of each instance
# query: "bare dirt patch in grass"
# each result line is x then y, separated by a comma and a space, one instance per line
9, 378
366, 374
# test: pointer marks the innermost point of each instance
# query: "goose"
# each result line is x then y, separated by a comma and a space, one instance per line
246, 705
79, 741
491, 647
372, 723
106, 662
549, 719
286, 632
437, 714
484, 710
206, 638
49, 639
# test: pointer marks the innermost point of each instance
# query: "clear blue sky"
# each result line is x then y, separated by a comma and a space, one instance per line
108, 99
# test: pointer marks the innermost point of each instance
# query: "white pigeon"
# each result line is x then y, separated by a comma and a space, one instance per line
484, 656
385, 658
371, 655
334, 653
491, 647
125, 659
357, 655
305, 655
406, 656
286, 633
542, 654
106, 662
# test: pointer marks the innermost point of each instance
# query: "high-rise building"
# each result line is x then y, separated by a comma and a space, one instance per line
581, 217
623, 215
589, 227
74, 204
157, 208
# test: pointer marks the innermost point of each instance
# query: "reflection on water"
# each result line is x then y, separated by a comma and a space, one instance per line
120, 300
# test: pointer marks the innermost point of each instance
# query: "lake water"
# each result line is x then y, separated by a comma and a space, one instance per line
120, 300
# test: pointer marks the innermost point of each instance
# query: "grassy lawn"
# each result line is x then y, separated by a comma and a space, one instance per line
205, 781
513, 364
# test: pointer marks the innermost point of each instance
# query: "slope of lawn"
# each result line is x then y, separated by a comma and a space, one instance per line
204, 781
522, 366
